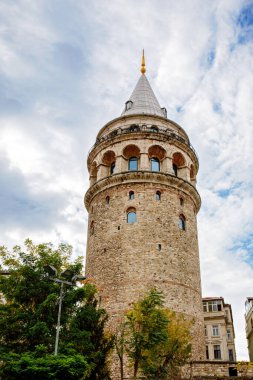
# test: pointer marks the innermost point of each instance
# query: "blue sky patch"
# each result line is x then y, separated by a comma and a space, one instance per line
245, 24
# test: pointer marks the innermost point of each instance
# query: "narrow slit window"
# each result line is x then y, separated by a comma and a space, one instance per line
107, 199
112, 168
131, 194
181, 222
158, 195
175, 169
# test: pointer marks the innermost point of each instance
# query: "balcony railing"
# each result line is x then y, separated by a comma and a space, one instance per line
169, 133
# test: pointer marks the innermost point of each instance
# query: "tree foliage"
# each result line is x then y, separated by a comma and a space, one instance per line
28, 316
155, 339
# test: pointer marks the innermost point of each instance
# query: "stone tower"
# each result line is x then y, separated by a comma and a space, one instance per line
142, 204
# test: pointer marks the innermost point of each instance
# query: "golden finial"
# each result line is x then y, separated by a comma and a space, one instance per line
143, 66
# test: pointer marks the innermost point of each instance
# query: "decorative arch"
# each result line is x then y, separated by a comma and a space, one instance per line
157, 151
178, 162
131, 151
109, 160
108, 157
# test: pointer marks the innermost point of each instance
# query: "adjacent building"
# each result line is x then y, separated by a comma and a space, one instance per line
219, 329
249, 325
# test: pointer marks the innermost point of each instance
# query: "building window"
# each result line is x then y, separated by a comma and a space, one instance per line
159, 247
158, 195
131, 217
107, 199
181, 201
229, 335
215, 330
174, 166
154, 129
217, 352
181, 222
155, 164
230, 355
112, 168
205, 330
211, 306
133, 163
131, 194
207, 352
129, 104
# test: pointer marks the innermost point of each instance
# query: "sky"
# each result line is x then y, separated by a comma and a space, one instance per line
66, 69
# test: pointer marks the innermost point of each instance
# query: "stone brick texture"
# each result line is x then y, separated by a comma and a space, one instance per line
127, 260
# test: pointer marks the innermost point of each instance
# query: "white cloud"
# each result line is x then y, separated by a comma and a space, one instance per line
67, 68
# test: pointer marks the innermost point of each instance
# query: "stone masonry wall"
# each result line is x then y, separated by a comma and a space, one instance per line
125, 260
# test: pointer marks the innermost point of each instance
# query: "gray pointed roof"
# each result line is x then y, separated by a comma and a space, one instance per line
143, 100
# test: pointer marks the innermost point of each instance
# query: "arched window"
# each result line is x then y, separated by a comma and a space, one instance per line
133, 163
175, 169
112, 168
107, 199
131, 195
158, 195
128, 105
155, 164
181, 222
131, 216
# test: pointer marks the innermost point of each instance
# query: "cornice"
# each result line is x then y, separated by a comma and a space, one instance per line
140, 176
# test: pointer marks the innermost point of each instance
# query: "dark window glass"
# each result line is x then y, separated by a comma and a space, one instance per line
107, 199
181, 223
159, 247
230, 355
131, 217
154, 129
131, 195
181, 202
112, 168
217, 352
158, 196
155, 164
175, 169
207, 352
133, 163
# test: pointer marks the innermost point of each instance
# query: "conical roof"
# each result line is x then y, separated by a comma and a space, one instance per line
143, 100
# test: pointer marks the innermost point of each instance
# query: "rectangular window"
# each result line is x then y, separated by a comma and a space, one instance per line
215, 330
217, 352
229, 335
211, 306
230, 355
207, 352
205, 330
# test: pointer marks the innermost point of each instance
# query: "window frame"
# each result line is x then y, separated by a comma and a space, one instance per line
215, 330
217, 352
131, 160
129, 214
155, 161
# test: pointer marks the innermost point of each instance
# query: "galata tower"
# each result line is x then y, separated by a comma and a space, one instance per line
142, 204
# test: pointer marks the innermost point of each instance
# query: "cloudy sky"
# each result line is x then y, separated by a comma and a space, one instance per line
68, 66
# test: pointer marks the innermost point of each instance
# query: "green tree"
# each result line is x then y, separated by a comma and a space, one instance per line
28, 316
156, 340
